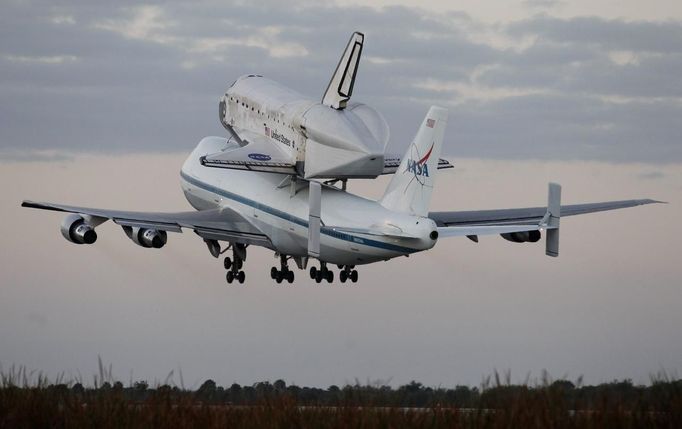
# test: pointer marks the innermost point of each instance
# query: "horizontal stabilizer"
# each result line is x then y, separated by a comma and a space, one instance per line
392, 162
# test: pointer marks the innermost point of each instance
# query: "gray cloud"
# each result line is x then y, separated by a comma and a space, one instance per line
651, 175
542, 4
122, 77
663, 37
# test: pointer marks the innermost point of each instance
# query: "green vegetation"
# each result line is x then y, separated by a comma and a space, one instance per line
28, 400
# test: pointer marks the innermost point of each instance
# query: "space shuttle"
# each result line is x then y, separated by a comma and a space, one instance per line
279, 130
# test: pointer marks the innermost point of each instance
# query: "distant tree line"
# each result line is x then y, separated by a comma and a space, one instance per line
659, 395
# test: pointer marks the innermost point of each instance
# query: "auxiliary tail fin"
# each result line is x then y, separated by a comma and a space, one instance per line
340, 87
411, 186
553, 217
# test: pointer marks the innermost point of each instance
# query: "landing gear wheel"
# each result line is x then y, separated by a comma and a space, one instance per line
239, 264
229, 276
241, 276
290, 276
280, 277
339, 266
318, 276
354, 276
273, 273
227, 262
313, 273
330, 276
343, 276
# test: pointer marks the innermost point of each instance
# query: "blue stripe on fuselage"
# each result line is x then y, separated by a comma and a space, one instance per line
293, 219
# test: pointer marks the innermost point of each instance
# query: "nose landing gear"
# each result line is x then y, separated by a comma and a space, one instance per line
234, 265
239, 276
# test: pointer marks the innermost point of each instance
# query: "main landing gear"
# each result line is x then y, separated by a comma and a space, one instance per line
322, 273
284, 273
348, 272
234, 265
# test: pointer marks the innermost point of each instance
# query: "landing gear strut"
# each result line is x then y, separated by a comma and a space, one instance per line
348, 273
322, 273
234, 265
284, 273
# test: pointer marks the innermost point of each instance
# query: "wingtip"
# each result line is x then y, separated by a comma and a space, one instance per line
34, 205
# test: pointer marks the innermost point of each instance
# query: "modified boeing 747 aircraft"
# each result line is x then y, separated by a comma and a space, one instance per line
278, 180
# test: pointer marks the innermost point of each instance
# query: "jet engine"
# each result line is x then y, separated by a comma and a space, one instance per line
77, 230
146, 237
522, 237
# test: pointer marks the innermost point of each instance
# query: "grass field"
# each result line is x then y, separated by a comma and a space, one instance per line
29, 400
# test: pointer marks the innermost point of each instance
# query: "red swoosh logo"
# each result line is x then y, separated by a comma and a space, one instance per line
426, 157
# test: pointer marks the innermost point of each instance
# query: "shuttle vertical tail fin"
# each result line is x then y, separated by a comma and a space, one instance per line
411, 186
340, 87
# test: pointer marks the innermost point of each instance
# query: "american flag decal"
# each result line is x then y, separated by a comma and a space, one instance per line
267, 131
430, 123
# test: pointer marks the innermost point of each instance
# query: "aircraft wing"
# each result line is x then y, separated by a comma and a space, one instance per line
216, 224
242, 163
482, 222
392, 162
254, 152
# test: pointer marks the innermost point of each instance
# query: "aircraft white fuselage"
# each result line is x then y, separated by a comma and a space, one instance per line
283, 215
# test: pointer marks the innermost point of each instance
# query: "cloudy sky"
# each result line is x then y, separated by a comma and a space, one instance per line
534, 79
99, 104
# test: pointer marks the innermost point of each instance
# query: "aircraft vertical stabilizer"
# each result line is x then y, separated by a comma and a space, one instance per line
314, 213
553, 218
410, 188
340, 87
